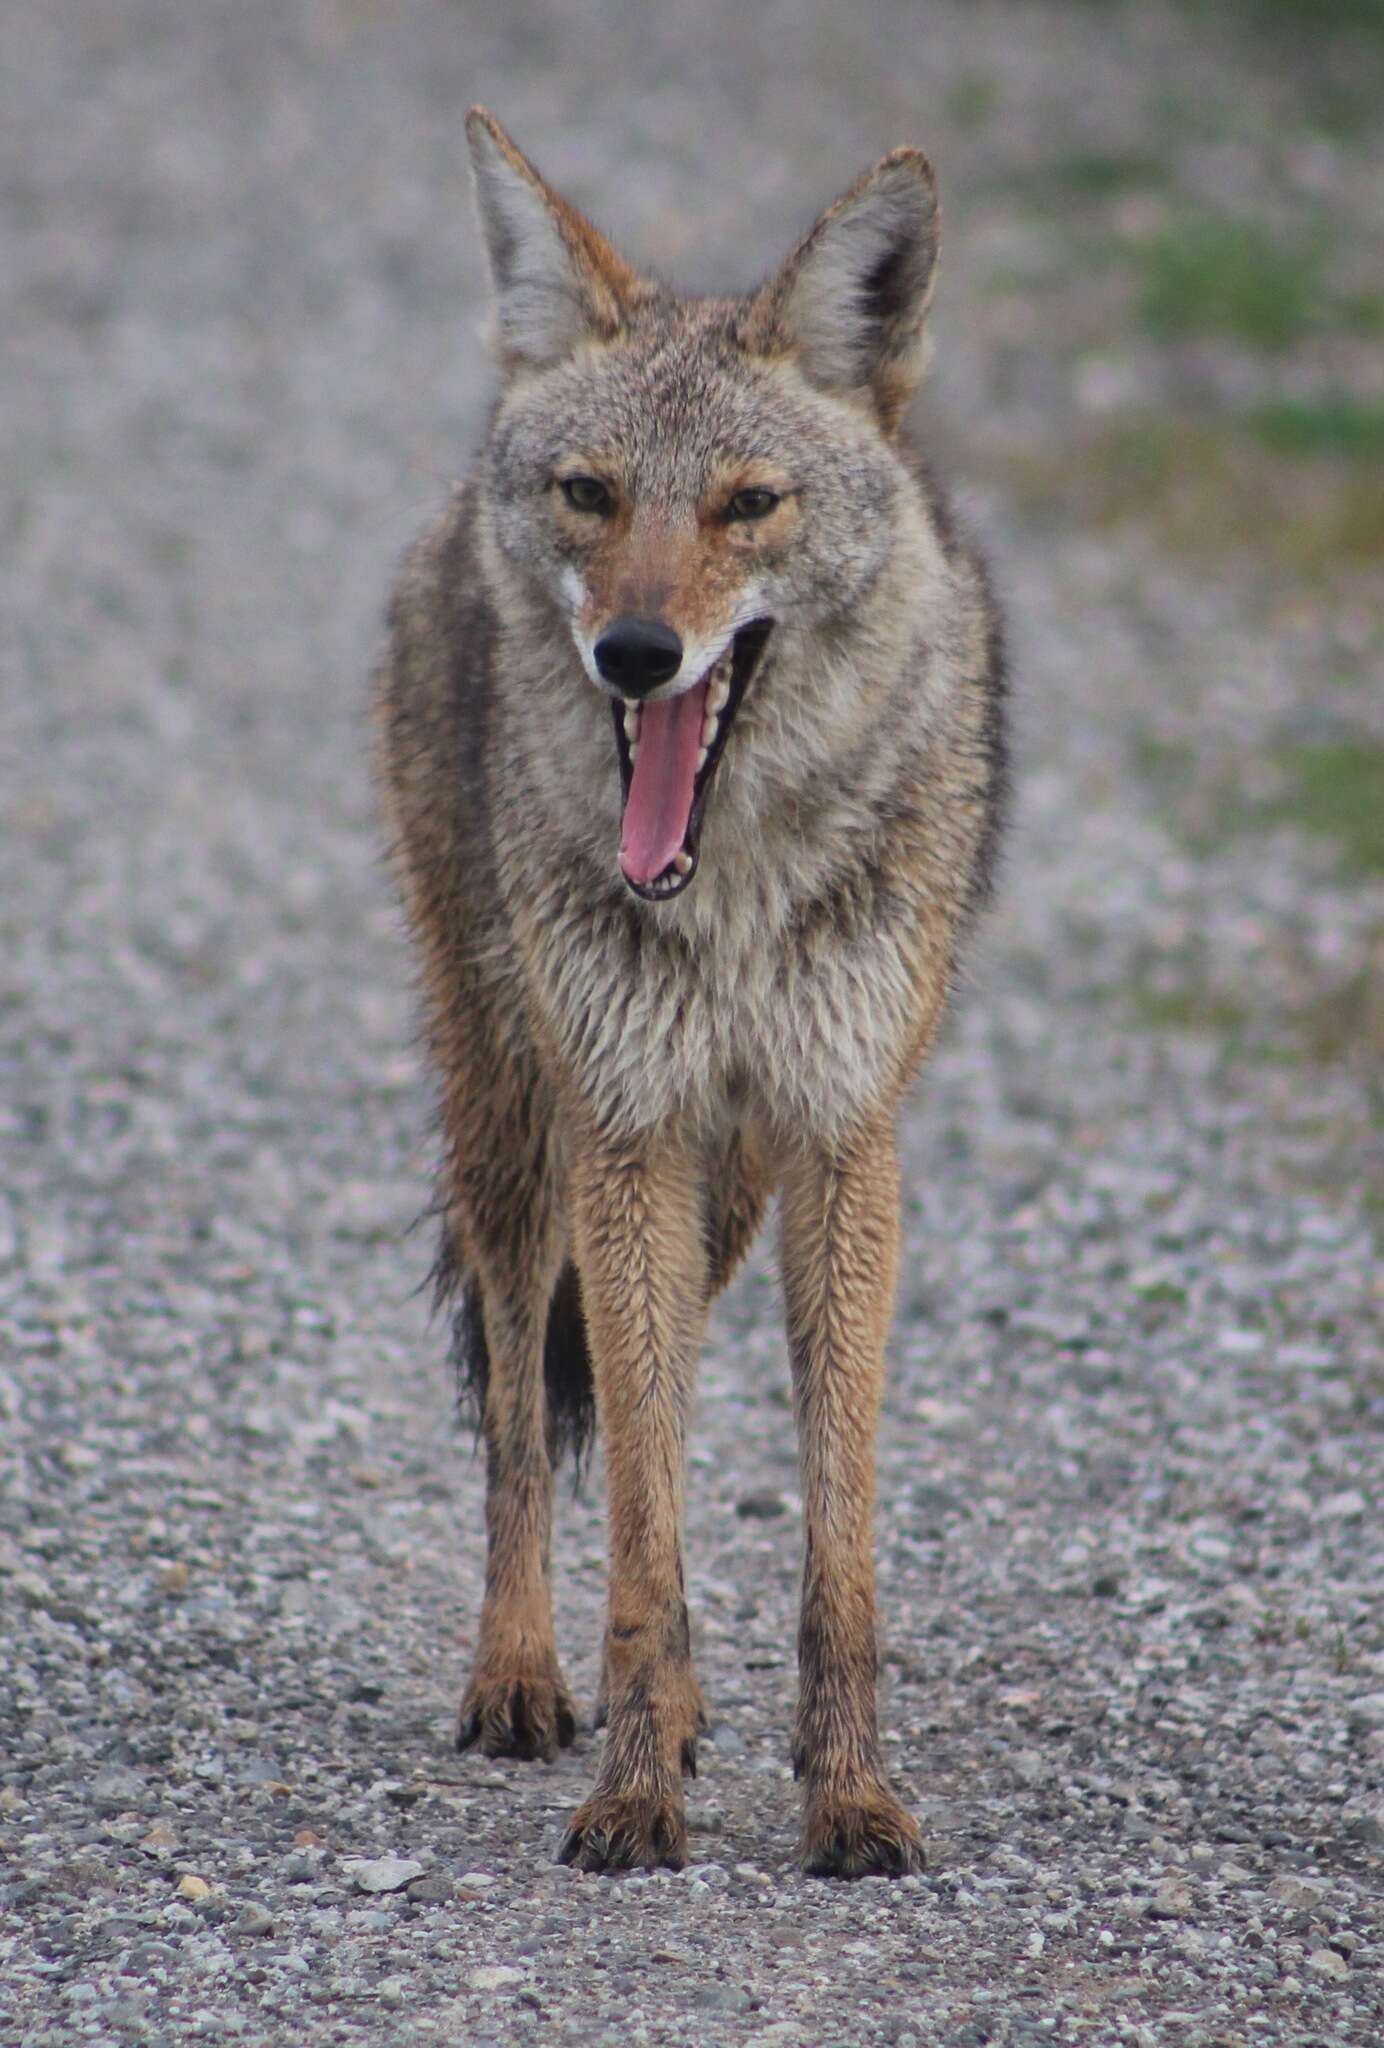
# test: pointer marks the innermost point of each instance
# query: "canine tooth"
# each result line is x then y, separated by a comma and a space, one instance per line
718, 696
683, 863
631, 721
701, 760
709, 725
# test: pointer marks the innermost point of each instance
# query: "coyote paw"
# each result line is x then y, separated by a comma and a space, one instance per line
620, 1831
861, 1835
523, 1713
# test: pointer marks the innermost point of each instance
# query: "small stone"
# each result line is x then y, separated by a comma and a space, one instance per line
432, 1890
1344, 1507
1366, 1713
1172, 1901
1367, 1828
493, 1977
1106, 1585
381, 1873
253, 1918
721, 1998
117, 1789
763, 1505
308, 1838
192, 1887
476, 1880
173, 1579
1240, 1343
1299, 1894
1327, 1963
160, 1839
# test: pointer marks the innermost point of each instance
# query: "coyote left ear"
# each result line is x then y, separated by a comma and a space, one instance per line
557, 280
849, 303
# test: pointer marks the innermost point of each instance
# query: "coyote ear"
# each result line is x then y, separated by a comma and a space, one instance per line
557, 281
850, 301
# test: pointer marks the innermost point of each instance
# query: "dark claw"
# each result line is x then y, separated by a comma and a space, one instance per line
874, 1857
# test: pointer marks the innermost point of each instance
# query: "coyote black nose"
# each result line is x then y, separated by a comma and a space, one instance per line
636, 655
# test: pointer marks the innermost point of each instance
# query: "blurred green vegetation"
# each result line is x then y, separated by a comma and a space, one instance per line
1208, 274
1318, 17
1332, 789
1335, 423
1336, 791
1106, 174
972, 100
1205, 485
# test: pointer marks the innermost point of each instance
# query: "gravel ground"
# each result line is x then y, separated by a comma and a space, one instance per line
1131, 1571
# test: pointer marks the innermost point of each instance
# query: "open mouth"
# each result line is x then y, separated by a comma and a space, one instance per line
668, 754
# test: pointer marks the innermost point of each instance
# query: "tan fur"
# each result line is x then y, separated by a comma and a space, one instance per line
625, 1082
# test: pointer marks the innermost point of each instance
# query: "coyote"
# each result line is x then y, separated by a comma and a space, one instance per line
692, 756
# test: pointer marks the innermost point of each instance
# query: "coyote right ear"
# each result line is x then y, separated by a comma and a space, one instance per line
850, 302
557, 281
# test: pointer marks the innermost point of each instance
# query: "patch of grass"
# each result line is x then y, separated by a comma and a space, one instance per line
1344, 110
1361, 312
1336, 791
1105, 174
1317, 17
1333, 789
1207, 275
1205, 488
1190, 1009
1336, 424
971, 101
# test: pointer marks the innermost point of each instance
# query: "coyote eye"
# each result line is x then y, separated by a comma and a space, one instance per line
586, 494
752, 504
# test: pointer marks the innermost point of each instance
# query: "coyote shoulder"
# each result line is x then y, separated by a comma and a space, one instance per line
691, 749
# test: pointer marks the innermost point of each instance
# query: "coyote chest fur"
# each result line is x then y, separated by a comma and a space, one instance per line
692, 752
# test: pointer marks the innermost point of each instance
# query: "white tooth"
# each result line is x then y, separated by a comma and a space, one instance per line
633, 751
709, 725
701, 760
683, 863
631, 721
718, 696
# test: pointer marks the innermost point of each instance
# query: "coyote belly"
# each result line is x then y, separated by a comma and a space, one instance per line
692, 754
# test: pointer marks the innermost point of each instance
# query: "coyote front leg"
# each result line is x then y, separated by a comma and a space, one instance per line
639, 1237
840, 1256
507, 1242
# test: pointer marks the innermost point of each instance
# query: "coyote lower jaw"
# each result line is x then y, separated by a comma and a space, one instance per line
668, 751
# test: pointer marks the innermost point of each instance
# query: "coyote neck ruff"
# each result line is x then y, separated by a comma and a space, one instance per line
692, 749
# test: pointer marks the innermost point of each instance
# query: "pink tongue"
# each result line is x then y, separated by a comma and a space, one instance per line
659, 806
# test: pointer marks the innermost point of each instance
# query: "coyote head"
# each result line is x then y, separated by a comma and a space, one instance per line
684, 478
